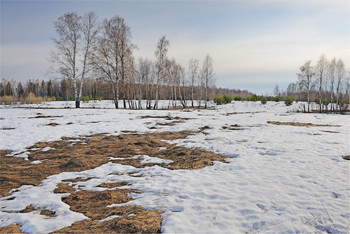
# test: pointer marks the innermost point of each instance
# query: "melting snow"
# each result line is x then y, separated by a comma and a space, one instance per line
279, 179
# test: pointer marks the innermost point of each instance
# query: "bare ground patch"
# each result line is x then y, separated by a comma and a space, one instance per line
30, 208
53, 124
5, 129
45, 116
96, 150
347, 157
166, 117
297, 124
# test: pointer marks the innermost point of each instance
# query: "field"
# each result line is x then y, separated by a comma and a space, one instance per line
243, 167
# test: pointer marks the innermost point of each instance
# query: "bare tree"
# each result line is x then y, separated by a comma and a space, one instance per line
348, 87
125, 55
182, 85
68, 28
161, 58
305, 79
276, 91
113, 55
340, 71
130, 79
143, 77
193, 72
76, 36
331, 78
208, 76
90, 30
320, 71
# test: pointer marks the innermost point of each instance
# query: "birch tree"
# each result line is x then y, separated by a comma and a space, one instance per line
331, 78
320, 71
76, 36
340, 72
161, 58
208, 76
143, 77
193, 73
125, 55
68, 28
90, 30
306, 79
112, 53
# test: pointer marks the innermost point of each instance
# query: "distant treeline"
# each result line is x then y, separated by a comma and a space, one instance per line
98, 89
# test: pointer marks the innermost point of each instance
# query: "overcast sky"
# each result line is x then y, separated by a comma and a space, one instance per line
255, 44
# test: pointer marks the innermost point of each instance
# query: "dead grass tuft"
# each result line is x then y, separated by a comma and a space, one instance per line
11, 229
53, 124
30, 99
297, 124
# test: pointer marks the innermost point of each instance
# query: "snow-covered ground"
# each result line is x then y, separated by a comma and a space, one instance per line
279, 178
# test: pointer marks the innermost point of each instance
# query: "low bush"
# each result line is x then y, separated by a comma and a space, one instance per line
277, 99
237, 98
218, 99
86, 99
289, 101
227, 98
263, 100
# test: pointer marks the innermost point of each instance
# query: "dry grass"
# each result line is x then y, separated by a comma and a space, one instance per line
297, 124
30, 99
65, 156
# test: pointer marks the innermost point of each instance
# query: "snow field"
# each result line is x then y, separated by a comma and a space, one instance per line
278, 179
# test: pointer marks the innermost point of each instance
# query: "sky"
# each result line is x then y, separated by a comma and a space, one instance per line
255, 44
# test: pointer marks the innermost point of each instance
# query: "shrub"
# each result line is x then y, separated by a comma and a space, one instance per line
263, 100
86, 99
237, 98
289, 101
277, 99
59, 98
218, 99
53, 98
7, 100
227, 98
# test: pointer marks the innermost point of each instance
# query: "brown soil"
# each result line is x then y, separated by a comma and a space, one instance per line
301, 124
64, 156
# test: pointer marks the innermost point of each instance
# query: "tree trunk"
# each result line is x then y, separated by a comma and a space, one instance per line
157, 96
308, 102
77, 104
